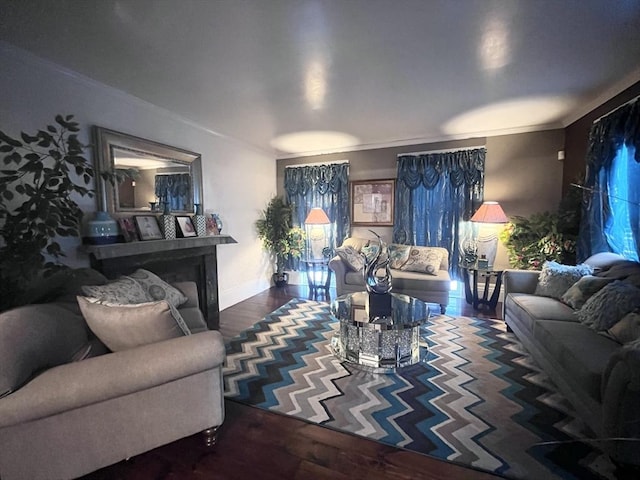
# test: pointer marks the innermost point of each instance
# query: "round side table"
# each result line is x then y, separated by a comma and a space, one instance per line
472, 276
318, 276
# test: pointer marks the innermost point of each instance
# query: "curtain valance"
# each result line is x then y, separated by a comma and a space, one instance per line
321, 179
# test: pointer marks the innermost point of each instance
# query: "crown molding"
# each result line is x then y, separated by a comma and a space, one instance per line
603, 97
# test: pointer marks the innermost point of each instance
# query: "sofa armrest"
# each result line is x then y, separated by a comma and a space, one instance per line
620, 400
340, 269
190, 290
112, 375
520, 281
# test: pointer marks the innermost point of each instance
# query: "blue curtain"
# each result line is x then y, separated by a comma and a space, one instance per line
607, 137
436, 195
174, 189
325, 186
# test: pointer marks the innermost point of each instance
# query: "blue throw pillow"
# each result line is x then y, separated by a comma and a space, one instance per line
555, 279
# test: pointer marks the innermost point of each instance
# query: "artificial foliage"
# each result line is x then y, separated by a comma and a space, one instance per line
41, 173
278, 237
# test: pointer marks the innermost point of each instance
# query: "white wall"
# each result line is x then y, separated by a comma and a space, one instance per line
238, 180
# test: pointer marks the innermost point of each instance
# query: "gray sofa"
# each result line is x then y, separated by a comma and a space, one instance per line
426, 287
69, 406
597, 373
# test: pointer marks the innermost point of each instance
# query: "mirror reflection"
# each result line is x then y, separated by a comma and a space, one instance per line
150, 176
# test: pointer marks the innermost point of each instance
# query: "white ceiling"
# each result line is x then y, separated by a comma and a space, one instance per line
380, 72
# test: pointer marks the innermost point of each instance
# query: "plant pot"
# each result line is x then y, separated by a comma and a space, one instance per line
281, 279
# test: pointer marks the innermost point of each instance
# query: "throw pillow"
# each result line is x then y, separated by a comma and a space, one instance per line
424, 260
580, 291
351, 257
555, 279
370, 251
124, 291
121, 327
628, 329
158, 289
607, 307
398, 255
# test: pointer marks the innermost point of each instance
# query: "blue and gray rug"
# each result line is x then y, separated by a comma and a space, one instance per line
476, 399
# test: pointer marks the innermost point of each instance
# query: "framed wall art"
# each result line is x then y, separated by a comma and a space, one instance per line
185, 226
372, 202
148, 228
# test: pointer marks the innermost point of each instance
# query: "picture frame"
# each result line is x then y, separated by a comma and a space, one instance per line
212, 227
372, 202
186, 228
128, 228
148, 227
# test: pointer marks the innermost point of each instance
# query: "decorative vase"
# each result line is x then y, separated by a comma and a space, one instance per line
200, 222
102, 230
280, 279
375, 283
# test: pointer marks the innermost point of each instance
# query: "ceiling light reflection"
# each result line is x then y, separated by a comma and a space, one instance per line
512, 114
315, 85
494, 48
313, 141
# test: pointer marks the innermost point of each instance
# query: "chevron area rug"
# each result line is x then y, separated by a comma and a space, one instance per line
476, 398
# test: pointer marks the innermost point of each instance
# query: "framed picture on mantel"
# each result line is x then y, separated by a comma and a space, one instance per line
148, 228
372, 202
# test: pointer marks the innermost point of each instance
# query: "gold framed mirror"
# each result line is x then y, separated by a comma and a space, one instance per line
153, 174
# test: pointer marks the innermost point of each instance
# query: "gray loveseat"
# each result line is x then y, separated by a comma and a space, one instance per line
68, 406
430, 288
597, 371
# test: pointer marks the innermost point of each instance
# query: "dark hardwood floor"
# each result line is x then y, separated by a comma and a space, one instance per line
257, 444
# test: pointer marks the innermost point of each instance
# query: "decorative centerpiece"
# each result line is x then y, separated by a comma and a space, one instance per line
200, 221
168, 223
378, 286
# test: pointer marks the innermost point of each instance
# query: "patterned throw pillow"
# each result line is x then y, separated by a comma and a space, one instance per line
351, 257
398, 255
582, 290
424, 260
607, 307
121, 327
555, 279
158, 289
124, 291
370, 251
628, 329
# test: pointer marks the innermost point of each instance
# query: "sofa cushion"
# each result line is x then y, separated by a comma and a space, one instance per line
406, 281
626, 330
351, 257
194, 319
555, 278
423, 260
36, 337
122, 291
398, 255
582, 354
607, 307
356, 243
603, 260
525, 308
121, 327
158, 289
583, 289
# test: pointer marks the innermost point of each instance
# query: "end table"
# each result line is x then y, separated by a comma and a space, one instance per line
318, 276
472, 275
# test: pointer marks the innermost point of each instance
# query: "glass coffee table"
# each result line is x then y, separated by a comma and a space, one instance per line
379, 336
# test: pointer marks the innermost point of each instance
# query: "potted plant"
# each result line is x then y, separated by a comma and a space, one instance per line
41, 174
279, 237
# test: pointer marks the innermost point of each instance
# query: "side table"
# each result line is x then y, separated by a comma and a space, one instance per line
318, 276
474, 274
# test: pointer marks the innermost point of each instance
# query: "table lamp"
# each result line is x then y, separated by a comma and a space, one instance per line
489, 213
315, 224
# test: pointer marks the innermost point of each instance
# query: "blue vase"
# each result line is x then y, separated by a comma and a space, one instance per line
102, 230
216, 218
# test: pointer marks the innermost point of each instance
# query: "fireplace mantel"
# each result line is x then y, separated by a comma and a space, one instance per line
174, 260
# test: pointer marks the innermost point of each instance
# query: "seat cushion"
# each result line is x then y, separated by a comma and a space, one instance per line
579, 351
404, 280
526, 308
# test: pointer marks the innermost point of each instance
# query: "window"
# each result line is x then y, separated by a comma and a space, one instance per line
622, 225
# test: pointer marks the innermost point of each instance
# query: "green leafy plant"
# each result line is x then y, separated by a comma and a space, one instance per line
277, 235
531, 241
41, 173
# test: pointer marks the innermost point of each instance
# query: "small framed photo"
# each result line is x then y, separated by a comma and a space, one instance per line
185, 226
212, 227
148, 228
128, 229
